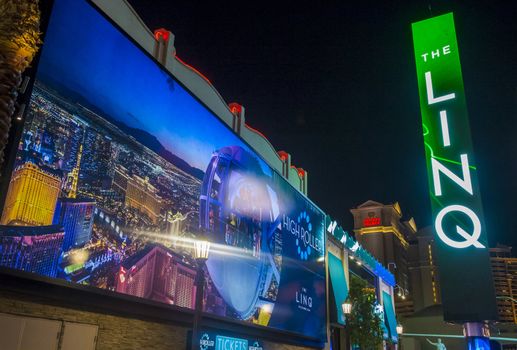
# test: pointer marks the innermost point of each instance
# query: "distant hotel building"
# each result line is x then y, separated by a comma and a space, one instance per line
31, 197
120, 179
138, 193
33, 249
159, 274
423, 270
76, 216
380, 230
504, 270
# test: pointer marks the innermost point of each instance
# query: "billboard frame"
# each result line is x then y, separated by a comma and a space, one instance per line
47, 285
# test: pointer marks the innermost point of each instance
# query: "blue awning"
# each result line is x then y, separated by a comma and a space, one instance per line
339, 285
385, 332
389, 315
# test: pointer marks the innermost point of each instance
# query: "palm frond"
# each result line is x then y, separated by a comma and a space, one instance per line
19, 31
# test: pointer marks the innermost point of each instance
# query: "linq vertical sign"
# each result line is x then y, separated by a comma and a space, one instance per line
461, 239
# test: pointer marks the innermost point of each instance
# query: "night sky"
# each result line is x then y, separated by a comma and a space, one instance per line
83, 61
335, 86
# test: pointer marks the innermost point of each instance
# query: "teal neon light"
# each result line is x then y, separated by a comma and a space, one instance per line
339, 285
358, 251
389, 314
225, 343
434, 335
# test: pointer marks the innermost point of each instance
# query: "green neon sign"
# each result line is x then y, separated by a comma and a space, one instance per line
467, 290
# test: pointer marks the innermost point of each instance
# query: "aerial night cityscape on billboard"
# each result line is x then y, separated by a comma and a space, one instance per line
139, 209
119, 191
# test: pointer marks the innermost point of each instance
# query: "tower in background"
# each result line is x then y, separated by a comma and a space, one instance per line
73, 176
380, 230
423, 270
76, 217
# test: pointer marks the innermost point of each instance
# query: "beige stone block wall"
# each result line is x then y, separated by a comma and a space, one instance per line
277, 346
115, 332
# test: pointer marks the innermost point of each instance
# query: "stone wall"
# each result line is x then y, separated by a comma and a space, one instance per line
277, 346
115, 332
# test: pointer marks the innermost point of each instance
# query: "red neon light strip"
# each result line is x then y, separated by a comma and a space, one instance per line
193, 69
258, 132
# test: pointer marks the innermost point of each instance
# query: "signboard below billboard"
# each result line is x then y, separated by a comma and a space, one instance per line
210, 340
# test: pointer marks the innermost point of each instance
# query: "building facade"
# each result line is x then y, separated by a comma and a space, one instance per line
76, 216
33, 249
346, 256
32, 196
423, 270
159, 274
137, 193
504, 271
425, 283
141, 195
380, 229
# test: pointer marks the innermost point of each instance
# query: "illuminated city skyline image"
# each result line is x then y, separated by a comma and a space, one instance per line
117, 172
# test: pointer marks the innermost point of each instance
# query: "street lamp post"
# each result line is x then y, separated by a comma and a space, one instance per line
392, 264
347, 307
347, 310
402, 293
201, 251
400, 330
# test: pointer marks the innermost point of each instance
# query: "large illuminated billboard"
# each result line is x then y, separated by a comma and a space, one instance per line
119, 168
463, 257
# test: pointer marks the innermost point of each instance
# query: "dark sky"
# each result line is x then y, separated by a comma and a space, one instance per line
334, 84
67, 54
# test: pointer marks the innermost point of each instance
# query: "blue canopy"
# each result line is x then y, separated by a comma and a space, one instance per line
339, 285
385, 331
389, 315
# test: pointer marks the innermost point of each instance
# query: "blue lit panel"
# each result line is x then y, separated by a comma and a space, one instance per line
119, 168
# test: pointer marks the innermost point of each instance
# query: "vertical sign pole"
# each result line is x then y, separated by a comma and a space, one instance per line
477, 335
462, 248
